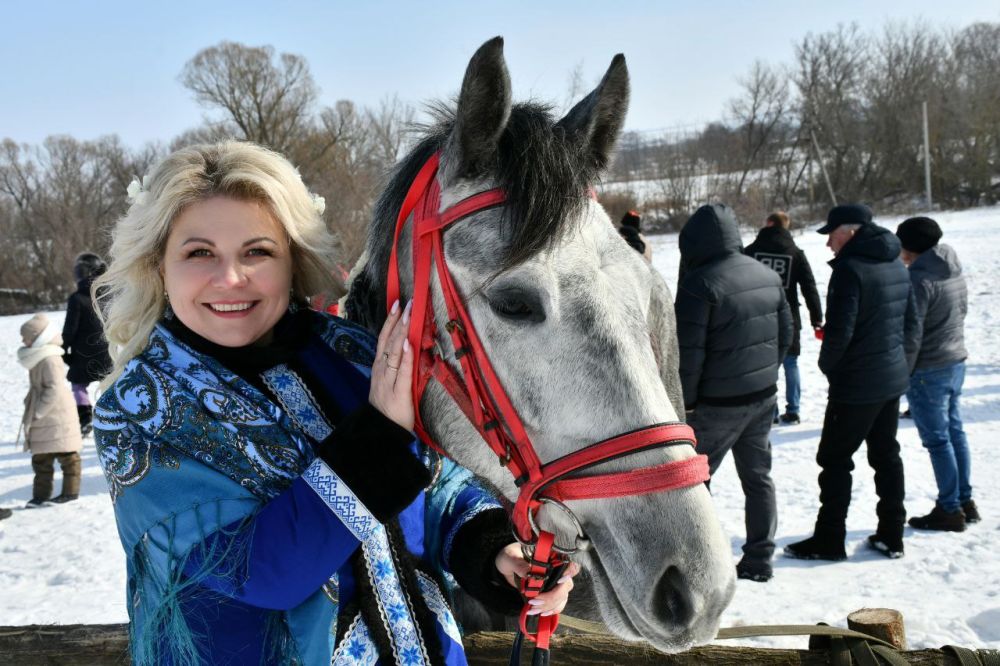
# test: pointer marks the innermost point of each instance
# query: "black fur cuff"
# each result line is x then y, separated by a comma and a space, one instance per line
473, 561
371, 454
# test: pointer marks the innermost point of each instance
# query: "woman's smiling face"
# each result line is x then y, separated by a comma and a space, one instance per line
227, 270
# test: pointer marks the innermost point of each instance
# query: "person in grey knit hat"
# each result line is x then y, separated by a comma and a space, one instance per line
50, 425
937, 356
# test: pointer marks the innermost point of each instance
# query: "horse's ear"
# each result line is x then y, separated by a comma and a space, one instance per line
483, 109
598, 118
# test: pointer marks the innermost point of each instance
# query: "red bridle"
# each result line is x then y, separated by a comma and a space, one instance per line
482, 398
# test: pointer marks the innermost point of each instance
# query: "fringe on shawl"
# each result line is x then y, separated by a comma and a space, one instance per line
164, 636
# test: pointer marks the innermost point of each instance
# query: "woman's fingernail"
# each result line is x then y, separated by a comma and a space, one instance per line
395, 306
547, 613
536, 602
406, 344
562, 580
406, 312
534, 611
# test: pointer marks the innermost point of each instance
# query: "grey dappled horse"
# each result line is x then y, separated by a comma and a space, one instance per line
580, 330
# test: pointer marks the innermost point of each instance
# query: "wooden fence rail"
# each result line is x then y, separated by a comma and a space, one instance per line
107, 645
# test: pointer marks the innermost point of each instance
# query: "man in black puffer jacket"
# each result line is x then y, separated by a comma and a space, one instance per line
734, 328
869, 307
775, 249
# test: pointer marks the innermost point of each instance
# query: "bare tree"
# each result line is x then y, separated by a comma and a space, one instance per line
829, 80
759, 111
269, 99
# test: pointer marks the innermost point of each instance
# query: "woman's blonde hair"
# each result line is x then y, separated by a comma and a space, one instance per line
131, 295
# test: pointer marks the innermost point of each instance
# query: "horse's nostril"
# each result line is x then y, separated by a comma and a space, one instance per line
671, 598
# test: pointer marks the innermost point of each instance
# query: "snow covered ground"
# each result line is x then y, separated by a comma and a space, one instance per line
64, 564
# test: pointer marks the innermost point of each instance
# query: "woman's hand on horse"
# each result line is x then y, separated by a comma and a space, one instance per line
512, 566
392, 371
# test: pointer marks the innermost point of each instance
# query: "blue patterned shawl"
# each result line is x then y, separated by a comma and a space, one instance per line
176, 409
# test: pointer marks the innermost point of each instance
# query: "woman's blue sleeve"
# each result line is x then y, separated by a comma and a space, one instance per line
456, 498
281, 555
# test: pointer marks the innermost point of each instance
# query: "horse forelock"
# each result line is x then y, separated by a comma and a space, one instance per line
544, 172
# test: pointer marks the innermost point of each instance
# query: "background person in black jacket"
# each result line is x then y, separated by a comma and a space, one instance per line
86, 350
631, 230
734, 327
868, 308
775, 248
937, 349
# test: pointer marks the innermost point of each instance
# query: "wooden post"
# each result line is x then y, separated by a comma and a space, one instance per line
884, 623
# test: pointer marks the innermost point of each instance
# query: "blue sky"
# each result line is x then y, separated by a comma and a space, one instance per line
94, 68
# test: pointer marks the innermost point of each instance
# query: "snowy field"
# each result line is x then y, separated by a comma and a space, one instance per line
64, 564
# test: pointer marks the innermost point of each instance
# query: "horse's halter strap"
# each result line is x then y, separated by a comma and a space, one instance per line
482, 398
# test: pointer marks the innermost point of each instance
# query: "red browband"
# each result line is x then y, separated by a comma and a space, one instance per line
482, 398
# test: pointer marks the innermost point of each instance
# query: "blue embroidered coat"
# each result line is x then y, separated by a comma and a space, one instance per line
242, 546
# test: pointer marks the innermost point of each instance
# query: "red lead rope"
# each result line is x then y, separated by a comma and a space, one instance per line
478, 392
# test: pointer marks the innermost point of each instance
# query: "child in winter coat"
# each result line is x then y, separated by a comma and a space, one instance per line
51, 427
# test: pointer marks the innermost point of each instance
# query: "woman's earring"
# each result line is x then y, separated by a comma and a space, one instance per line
168, 312
293, 305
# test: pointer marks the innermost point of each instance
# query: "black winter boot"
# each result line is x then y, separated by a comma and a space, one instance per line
971, 512
940, 520
754, 570
62, 499
825, 544
891, 547
86, 415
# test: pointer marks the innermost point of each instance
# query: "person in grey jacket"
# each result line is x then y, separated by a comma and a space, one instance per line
936, 347
734, 327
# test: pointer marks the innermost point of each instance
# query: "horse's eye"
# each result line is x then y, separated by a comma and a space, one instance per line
512, 309
517, 305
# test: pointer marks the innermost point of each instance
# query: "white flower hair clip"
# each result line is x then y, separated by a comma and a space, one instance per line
319, 204
138, 193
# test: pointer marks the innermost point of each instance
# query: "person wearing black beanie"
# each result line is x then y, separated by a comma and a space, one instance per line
630, 229
937, 353
86, 350
917, 235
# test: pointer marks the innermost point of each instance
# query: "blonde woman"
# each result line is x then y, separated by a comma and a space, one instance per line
268, 491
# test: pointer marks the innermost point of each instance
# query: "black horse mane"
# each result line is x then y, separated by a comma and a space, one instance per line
544, 171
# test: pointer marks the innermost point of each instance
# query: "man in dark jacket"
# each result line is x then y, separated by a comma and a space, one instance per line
83, 338
734, 327
936, 346
868, 309
775, 249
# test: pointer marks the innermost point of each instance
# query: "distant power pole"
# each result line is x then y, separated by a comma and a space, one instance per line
927, 161
822, 168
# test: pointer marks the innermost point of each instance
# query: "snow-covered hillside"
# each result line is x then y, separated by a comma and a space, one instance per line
64, 564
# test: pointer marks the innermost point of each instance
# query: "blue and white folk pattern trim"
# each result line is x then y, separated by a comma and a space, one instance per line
357, 647
394, 607
340, 499
436, 603
297, 401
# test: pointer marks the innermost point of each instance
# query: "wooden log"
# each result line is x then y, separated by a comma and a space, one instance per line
493, 649
65, 645
884, 623
107, 645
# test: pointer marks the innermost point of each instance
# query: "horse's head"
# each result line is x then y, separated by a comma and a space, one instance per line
579, 329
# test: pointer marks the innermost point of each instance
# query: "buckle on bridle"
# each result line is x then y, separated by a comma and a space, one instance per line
581, 542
